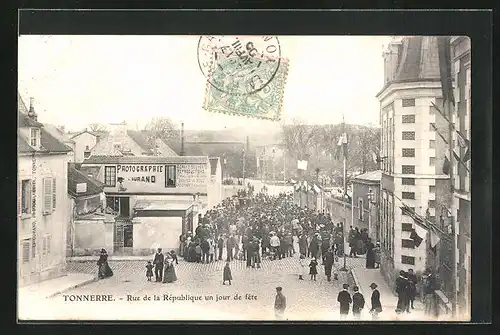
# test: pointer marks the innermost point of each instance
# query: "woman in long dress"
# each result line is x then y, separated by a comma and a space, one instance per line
370, 255
104, 271
169, 276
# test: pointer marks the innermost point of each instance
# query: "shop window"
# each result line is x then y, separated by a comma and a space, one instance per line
408, 169
406, 243
170, 177
408, 181
408, 152
26, 196
408, 135
408, 118
408, 195
408, 102
408, 260
110, 176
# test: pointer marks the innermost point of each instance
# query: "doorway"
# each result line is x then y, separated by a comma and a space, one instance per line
125, 207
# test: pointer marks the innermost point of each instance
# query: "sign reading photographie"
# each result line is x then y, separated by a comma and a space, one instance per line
192, 175
142, 173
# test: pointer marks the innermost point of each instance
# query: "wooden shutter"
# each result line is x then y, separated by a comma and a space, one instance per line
19, 198
47, 195
26, 251
49, 243
54, 193
44, 246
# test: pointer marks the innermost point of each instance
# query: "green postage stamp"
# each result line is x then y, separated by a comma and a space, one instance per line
223, 87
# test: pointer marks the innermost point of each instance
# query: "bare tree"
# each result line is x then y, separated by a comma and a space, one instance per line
297, 138
97, 127
164, 128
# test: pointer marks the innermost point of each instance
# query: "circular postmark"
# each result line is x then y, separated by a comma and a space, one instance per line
239, 65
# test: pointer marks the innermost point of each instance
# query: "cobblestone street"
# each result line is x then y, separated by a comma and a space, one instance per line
306, 300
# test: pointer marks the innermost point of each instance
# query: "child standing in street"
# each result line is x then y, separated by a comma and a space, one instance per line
226, 276
149, 270
313, 271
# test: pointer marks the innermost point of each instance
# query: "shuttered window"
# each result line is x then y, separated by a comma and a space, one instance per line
25, 200
408, 169
408, 135
26, 250
408, 102
47, 195
408, 181
406, 243
406, 227
54, 193
408, 152
408, 195
408, 118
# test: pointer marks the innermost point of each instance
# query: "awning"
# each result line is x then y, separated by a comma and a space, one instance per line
162, 205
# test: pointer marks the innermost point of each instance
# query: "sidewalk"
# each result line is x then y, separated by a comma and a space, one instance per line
53, 287
364, 277
112, 258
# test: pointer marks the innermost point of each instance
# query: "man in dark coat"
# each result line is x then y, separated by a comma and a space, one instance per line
412, 289
429, 287
344, 298
244, 241
229, 246
220, 246
375, 299
358, 302
303, 244
158, 263
370, 254
205, 248
402, 291
328, 262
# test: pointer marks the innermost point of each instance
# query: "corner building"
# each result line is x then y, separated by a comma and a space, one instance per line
413, 153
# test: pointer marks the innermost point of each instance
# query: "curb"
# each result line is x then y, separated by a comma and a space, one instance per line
88, 281
356, 281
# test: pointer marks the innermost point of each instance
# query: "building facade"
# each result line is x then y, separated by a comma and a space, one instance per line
412, 153
43, 203
461, 68
85, 142
152, 200
366, 191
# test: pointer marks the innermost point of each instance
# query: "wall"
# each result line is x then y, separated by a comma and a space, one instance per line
151, 233
91, 236
81, 142
50, 261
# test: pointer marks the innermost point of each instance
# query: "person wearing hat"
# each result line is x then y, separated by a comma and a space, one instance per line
220, 246
313, 271
345, 300
402, 291
279, 303
375, 300
158, 263
104, 270
358, 302
429, 287
328, 259
376, 253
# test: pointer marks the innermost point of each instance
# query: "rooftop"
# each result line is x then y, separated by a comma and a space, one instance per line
146, 160
375, 176
75, 177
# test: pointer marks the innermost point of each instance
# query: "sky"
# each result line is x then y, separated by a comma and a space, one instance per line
78, 80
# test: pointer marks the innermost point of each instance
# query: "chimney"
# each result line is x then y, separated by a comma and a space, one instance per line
182, 139
31, 114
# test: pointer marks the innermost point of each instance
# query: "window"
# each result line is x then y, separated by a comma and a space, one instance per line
26, 244
46, 243
117, 146
86, 154
26, 196
170, 176
432, 189
408, 118
432, 144
408, 260
432, 161
408, 135
48, 194
406, 227
408, 169
110, 176
408, 102
407, 243
408, 181
408, 152
35, 137
408, 195
360, 209
54, 193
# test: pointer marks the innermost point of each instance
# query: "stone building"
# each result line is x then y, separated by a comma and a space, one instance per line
461, 68
152, 200
43, 203
366, 191
413, 153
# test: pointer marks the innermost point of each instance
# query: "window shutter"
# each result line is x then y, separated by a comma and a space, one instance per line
26, 251
19, 198
47, 195
49, 241
44, 246
54, 193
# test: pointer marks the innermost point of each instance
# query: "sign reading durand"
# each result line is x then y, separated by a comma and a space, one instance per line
186, 175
